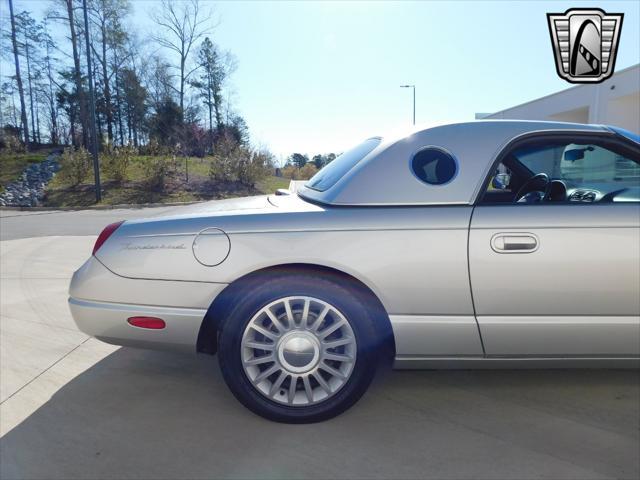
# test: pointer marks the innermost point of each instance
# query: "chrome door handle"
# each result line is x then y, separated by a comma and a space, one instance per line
514, 243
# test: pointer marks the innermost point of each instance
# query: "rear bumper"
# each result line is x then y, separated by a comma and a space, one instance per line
101, 302
108, 322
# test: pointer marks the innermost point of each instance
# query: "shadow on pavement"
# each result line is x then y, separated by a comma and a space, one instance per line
144, 414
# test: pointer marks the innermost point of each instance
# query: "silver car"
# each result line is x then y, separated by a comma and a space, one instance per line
484, 244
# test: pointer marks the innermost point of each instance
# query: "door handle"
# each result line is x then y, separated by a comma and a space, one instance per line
514, 243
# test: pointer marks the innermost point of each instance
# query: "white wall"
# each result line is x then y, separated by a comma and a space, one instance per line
615, 101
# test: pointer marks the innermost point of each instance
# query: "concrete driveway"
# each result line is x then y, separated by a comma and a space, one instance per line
73, 407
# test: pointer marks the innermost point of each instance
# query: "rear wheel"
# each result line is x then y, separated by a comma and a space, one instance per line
301, 350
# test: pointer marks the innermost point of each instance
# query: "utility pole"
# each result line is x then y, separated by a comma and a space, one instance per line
92, 106
414, 100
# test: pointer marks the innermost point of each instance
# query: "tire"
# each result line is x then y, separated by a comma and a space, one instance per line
298, 355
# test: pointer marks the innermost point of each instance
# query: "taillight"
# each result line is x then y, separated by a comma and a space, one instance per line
152, 323
105, 234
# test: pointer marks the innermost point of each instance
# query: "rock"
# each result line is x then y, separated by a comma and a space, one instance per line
28, 190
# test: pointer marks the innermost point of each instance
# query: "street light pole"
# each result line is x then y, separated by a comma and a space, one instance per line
414, 100
92, 107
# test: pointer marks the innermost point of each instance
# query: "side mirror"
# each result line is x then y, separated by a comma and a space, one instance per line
501, 181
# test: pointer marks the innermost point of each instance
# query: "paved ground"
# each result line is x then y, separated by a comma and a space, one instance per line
73, 407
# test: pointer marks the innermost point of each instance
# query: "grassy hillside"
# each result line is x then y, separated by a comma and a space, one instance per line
13, 164
187, 180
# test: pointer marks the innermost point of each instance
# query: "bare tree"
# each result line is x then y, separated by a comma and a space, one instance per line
106, 15
69, 16
49, 92
30, 33
186, 24
23, 109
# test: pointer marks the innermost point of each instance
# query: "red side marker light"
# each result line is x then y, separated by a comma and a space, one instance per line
105, 234
151, 323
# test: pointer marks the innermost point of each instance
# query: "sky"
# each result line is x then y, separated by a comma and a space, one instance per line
318, 77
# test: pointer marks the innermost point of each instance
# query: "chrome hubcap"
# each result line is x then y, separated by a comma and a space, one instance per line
298, 350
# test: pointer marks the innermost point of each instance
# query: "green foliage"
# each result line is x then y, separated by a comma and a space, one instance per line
322, 160
235, 162
155, 170
154, 149
213, 72
308, 171
253, 166
166, 122
292, 172
225, 157
295, 173
13, 164
116, 161
75, 165
298, 159
11, 144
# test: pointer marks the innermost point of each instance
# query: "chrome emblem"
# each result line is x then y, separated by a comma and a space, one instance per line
585, 43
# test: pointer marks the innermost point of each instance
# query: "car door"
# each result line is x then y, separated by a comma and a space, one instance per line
561, 276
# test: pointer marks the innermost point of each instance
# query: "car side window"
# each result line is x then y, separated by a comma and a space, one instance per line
567, 171
434, 166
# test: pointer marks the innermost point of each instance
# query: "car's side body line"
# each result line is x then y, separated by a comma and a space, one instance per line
512, 362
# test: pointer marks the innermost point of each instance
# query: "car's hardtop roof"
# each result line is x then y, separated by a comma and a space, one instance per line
383, 177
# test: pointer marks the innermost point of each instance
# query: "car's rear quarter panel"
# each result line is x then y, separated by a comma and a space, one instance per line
413, 259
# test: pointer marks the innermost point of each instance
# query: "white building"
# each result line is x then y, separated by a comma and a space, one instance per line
615, 101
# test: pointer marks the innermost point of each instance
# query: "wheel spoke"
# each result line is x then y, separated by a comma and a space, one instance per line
264, 332
307, 388
305, 313
331, 370
276, 385
259, 360
269, 347
292, 388
320, 319
323, 383
275, 320
290, 318
329, 330
339, 357
268, 372
338, 343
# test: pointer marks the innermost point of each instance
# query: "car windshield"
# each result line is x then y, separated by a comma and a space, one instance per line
329, 175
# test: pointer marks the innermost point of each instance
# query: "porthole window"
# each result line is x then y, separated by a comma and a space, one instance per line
434, 166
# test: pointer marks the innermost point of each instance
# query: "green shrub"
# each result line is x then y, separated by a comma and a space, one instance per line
253, 166
75, 165
155, 170
115, 162
10, 144
291, 171
308, 171
225, 156
234, 162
